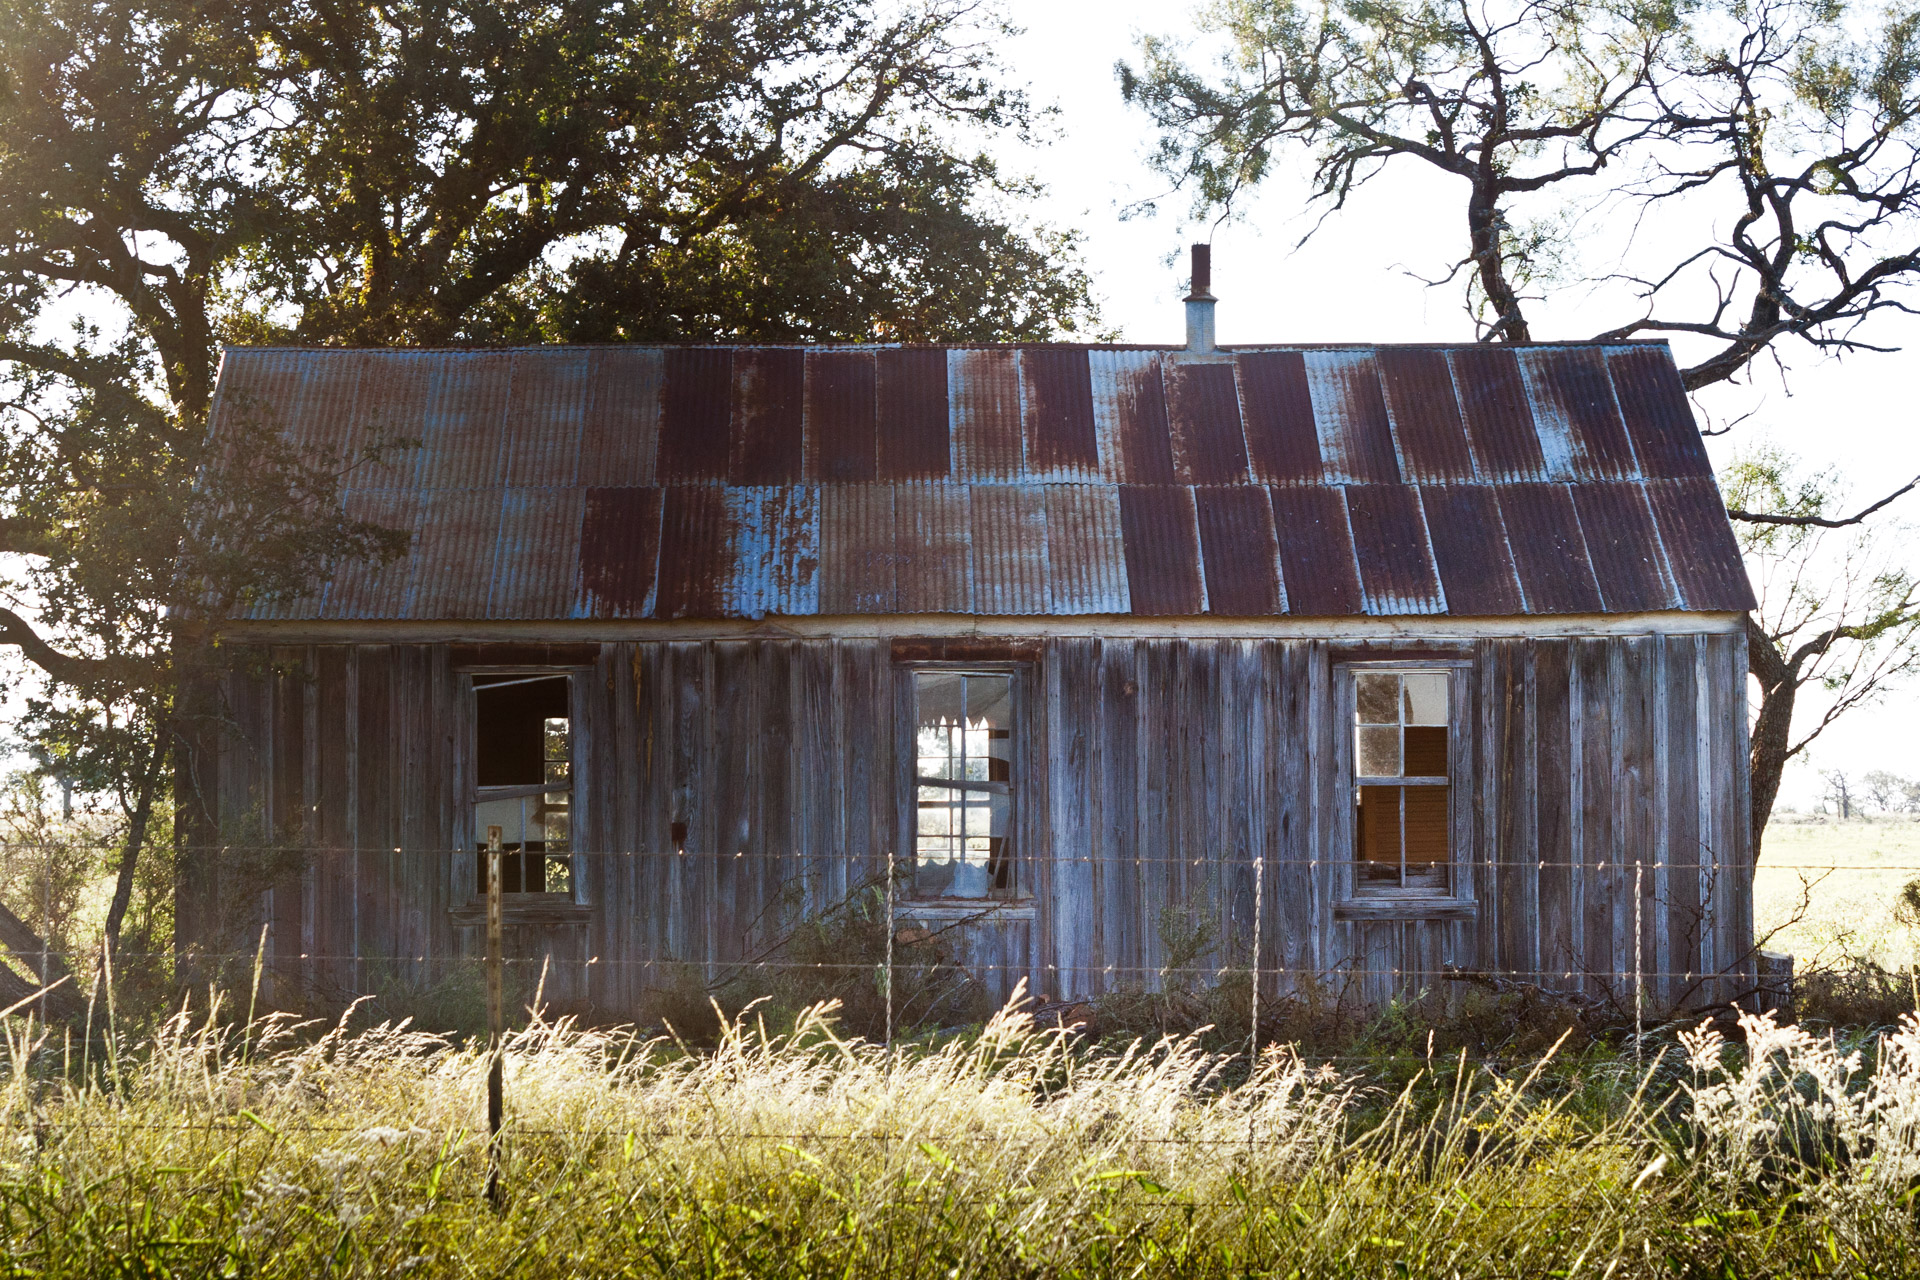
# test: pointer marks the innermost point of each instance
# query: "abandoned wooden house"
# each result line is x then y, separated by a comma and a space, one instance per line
1393, 657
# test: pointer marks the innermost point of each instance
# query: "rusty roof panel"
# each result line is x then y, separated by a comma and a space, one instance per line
360, 589
913, 414
455, 544
764, 444
1470, 548
1209, 446
1548, 549
1350, 415
537, 567
1426, 416
620, 551
1009, 549
1624, 547
463, 436
933, 565
1283, 444
1238, 551
1704, 557
698, 543
622, 428
546, 412
1498, 418
856, 549
1130, 417
509, 520
1659, 420
1316, 551
984, 390
1575, 414
1086, 550
776, 558
843, 431
696, 403
1056, 391
1162, 549
1397, 573
389, 416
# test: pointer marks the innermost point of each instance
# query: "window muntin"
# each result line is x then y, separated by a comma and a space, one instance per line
1402, 815
963, 784
523, 779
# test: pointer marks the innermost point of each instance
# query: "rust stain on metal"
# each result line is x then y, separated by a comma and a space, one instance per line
463, 440
1130, 417
1659, 420
1009, 548
1470, 548
537, 564
1706, 562
843, 440
1499, 421
1283, 442
1397, 572
1057, 414
696, 553
456, 541
1162, 550
1316, 551
913, 414
776, 556
1209, 446
1086, 550
933, 524
1575, 413
765, 444
1548, 548
1426, 416
546, 412
1238, 551
696, 398
1350, 414
984, 390
856, 549
620, 551
1623, 546
622, 431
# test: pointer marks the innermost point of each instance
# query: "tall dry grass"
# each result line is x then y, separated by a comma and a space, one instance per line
267, 1151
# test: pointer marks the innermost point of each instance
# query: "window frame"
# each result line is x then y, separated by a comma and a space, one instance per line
1357, 900
467, 885
906, 718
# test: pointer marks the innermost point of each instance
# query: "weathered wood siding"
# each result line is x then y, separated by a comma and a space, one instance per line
723, 785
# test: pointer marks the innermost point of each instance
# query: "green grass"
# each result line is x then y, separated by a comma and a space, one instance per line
1010, 1153
1848, 909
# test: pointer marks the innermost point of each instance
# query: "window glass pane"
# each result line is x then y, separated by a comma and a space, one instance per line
963, 733
1379, 753
1376, 823
1426, 828
1425, 697
1426, 752
1377, 698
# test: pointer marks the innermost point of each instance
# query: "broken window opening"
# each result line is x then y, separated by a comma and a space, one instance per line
963, 785
523, 781
1401, 751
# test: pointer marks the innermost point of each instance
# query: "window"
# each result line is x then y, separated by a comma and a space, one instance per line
1401, 748
523, 781
963, 784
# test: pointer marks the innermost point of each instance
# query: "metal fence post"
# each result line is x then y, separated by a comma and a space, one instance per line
496, 1021
1259, 898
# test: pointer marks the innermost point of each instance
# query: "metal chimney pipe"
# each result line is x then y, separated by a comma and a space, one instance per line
1200, 302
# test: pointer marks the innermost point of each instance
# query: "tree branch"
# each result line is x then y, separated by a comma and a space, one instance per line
64, 667
1821, 522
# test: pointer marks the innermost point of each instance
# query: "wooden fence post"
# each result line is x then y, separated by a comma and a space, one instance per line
496, 1021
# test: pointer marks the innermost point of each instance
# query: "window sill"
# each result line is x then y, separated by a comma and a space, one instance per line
1396, 906
952, 909
525, 908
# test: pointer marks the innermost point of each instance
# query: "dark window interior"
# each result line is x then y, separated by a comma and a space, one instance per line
514, 748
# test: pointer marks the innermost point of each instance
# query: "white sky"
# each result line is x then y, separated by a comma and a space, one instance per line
1351, 283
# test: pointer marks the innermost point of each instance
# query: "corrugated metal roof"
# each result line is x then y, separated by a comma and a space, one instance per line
694, 482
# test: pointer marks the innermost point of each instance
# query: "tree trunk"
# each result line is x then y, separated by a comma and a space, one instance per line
1772, 729
136, 840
